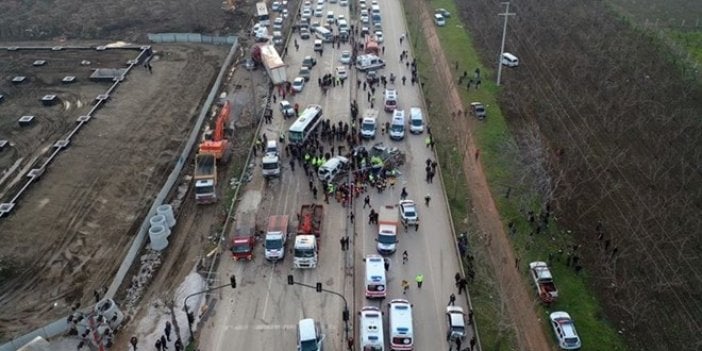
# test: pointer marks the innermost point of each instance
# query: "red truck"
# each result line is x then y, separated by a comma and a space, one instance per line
310, 220
543, 280
243, 240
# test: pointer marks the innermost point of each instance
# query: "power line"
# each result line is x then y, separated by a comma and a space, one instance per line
504, 36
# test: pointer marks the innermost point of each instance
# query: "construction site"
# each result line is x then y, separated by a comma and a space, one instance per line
66, 233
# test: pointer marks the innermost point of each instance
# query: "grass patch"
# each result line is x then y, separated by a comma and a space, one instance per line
691, 41
501, 165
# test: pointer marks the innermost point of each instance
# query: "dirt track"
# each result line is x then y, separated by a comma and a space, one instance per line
73, 227
530, 334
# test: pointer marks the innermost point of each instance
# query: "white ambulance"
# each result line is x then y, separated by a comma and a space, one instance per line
401, 330
371, 329
375, 277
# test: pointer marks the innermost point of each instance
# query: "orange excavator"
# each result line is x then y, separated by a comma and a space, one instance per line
214, 148
218, 145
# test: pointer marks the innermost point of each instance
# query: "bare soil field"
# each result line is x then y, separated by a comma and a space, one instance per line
73, 227
620, 130
106, 20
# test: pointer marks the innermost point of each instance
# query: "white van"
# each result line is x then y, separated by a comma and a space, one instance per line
309, 335
397, 125
401, 330
510, 60
323, 34
318, 46
416, 120
371, 329
369, 62
332, 168
272, 148
390, 100
375, 277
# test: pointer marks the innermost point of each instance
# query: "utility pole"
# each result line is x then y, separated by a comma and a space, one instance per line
504, 36
345, 313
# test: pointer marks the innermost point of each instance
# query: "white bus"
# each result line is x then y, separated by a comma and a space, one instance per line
303, 127
375, 277
371, 329
401, 330
262, 14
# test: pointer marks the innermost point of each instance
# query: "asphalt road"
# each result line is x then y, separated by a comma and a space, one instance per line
261, 314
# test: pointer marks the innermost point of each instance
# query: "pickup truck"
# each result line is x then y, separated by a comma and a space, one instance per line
543, 281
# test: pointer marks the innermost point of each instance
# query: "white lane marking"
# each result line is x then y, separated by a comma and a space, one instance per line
268, 293
244, 327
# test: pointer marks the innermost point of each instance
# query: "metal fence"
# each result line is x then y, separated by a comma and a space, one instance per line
191, 38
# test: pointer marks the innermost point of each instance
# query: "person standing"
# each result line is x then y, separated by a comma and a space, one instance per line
158, 344
405, 286
167, 330
452, 299
427, 198
366, 201
462, 285
419, 279
134, 341
387, 264
405, 257
164, 344
179, 345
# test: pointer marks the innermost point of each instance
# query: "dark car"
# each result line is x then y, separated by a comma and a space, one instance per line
309, 61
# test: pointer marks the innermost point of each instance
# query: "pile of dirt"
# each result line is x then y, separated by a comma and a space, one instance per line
619, 120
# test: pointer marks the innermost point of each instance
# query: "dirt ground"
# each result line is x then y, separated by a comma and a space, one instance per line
530, 335
74, 226
108, 20
29, 144
618, 122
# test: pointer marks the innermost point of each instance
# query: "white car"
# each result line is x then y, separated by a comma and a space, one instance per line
408, 212
298, 84
343, 3
379, 36
319, 11
345, 57
341, 73
287, 109
306, 13
320, 2
564, 328
456, 320
275, 6
364, 19
278, 23
285, 13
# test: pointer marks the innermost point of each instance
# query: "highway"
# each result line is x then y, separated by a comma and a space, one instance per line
262, 312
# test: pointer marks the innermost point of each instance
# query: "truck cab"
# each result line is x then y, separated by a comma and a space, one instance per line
387, 230
242, 247
270, 165
305, 252
276, 236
